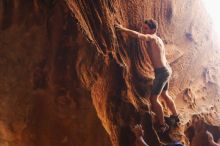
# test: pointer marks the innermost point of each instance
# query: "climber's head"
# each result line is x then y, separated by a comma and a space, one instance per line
150, 26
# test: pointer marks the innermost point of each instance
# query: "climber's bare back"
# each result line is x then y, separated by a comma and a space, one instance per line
156, 51
155, 46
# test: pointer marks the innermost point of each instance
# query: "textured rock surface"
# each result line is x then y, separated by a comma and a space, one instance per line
42, 100
67, 78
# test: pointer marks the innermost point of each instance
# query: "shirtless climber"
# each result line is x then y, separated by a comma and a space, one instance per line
156, 52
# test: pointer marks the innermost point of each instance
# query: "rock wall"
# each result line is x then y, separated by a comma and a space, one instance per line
43, 101
68, 78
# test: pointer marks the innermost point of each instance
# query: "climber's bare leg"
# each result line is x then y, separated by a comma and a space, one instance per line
160, 82
169, 102
157, 108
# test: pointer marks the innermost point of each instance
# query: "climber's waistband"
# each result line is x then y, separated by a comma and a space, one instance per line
164, 69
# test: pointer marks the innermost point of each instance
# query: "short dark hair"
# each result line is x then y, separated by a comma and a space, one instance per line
151, 23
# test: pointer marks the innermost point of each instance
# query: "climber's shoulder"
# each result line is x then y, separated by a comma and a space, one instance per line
146, 37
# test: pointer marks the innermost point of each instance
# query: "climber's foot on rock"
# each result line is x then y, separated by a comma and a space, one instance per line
172, 121
175, 120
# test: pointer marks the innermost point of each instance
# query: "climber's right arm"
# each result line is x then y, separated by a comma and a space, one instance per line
130, 32
133, 33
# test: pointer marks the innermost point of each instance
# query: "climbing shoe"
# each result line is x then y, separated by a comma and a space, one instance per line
175, 120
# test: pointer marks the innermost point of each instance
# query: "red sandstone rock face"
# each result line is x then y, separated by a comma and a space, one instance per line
67, 78
43, 102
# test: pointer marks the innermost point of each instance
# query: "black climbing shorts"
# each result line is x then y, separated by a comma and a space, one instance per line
161, 81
